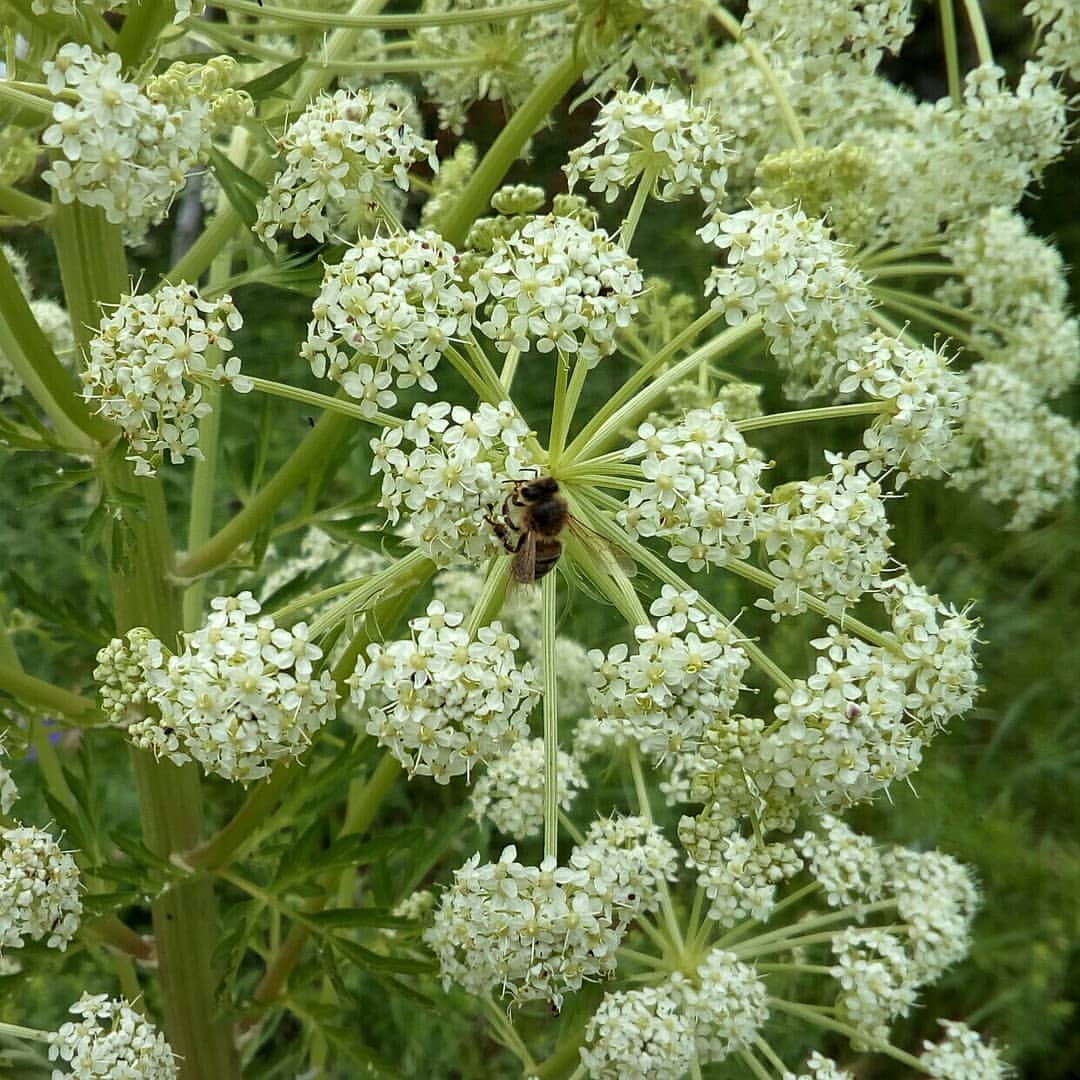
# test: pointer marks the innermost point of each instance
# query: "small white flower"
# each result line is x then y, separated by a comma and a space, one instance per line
657, 138
39, 890
142, 363
385, 314
962, 1055
110, 1041
443, 702
238, 698
555, 285
343, 154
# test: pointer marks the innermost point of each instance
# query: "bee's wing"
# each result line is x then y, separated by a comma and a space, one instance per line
611, 557
523, 568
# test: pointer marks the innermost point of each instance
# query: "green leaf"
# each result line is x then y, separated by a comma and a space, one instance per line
241, 189
373, 961
345, 918
265, 85
57, 613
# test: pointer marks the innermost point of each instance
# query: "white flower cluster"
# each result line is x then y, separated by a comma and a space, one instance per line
1017, 282
827, 537
659, 1031
455, 478
639, 1035
687, 671
1058, 24
458, 588
126, 149
876, 982
342, 154
110, 1041
858, 723
938, 645
487, 60
142, 365
926, 398
847, 865
832, 35
384, 316
702, 491
1014, 448
530, 932
39, 890
784, 266
936, 898
742, 876
557, 285
821, 1068
962, 1055
241, 696
656, 138
628, 859
121, 674
510, 794
442, 701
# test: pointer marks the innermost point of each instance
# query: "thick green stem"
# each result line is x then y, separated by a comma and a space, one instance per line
305, 16
24, 208
170, 798
979, 32
507, 147
24, 345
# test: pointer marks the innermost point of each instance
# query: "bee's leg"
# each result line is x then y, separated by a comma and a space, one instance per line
510, 537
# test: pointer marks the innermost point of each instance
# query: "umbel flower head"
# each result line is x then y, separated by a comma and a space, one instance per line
556, 284
142, 365
343, 154
385, 314
656, 138
537, 932
892, 920
461, 465
110, 1041
129, 149
241, 695
39, 890
443, 700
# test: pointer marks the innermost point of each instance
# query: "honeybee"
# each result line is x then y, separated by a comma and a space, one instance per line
534, 516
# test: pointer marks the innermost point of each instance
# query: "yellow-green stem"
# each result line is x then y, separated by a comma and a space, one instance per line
551, 718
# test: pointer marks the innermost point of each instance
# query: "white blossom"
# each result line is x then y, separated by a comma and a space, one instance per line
442, 701
448, 487
126, 148
785, 268
343, 155
241, 695
510, 793
656, 138
110, 1041
962, 1055
143, 363
39, 890
384, 315
556, 285
686, 670
701, 489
